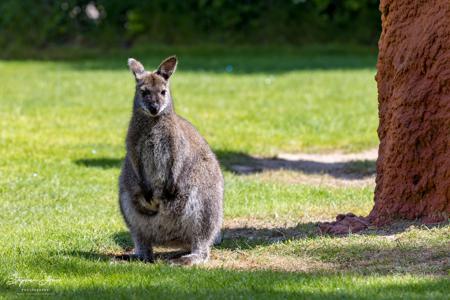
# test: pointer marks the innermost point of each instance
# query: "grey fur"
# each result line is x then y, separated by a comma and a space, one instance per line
171, 185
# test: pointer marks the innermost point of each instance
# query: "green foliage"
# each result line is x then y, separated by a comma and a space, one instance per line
41, 23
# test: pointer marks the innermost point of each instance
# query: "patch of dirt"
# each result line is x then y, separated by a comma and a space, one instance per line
241, 260
322, 180
331, 158
333, 169
344, 224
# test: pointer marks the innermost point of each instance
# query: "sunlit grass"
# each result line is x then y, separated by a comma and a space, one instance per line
61, 145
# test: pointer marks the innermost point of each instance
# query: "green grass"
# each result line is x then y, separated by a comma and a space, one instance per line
269, 102
61, 143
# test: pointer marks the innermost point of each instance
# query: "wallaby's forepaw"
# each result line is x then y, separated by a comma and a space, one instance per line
148, 207
189, 260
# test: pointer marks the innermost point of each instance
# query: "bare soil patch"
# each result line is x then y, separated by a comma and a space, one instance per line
242, 260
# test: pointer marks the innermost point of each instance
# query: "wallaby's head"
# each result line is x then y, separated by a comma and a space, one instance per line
152, 88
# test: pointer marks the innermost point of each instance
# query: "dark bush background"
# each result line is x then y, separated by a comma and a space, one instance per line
37, 24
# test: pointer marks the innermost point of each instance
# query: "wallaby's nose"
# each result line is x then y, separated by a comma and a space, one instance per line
154, 108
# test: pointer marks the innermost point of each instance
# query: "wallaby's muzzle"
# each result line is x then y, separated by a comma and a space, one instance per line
153, 108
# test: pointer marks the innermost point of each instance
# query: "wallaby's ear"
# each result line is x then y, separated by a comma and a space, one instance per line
136, 68
167, 67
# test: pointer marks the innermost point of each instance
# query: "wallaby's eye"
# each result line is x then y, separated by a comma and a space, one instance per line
163, 92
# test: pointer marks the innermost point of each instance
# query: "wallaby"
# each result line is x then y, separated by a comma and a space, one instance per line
171, 185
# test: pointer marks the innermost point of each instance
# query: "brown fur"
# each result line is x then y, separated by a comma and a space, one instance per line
171, 186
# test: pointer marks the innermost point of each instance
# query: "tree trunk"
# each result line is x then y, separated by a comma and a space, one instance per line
413, 167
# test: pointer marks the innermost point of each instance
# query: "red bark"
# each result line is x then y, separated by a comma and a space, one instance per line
413, 167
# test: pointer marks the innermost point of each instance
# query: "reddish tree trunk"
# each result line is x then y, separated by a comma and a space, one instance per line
413, 167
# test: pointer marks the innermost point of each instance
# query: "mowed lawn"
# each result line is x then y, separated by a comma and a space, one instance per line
63, 124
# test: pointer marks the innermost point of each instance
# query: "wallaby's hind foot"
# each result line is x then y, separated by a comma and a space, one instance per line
190, 259
198, 255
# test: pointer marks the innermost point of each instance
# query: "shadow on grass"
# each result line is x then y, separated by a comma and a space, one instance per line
123, 240
126, 256
102, 162
250, 237
242, 164
346, 254
243, 238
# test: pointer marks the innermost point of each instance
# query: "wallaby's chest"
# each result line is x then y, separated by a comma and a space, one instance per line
155, 156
